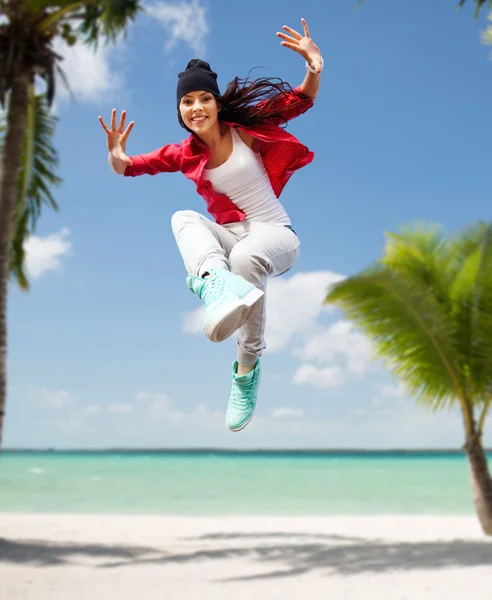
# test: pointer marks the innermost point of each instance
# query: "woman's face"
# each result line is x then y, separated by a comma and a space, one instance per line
199, 111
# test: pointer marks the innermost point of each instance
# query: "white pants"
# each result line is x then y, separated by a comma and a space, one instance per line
251, 249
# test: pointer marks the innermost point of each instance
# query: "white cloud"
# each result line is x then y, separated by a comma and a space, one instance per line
394, 391
157, 405
340, 342
43, 254
89, 73
185, 22
323, 378
293, 306
378, 401
281, 413
394, 395
92, 409
192, 321
120, 408
205, 413
54, 399
70, 424
359, 412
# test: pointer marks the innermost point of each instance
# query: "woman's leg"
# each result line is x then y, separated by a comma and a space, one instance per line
202, 243
205, 247
263, 250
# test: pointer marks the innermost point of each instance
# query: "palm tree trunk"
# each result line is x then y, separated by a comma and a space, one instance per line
9, 178
481, 481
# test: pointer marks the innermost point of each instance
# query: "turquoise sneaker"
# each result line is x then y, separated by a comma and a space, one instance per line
244, 394
229, 302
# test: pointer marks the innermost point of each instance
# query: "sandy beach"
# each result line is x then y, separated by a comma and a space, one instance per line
82, 557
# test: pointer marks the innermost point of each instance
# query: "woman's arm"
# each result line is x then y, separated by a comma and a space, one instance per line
310, 86
305, 46
163, 160
116, 142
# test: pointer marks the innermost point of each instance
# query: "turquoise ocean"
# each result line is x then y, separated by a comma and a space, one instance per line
228, 483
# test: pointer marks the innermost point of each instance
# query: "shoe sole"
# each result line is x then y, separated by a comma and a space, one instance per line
233, 316
235, 429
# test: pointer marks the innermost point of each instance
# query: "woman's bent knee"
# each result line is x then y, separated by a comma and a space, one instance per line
183, 217
243, 263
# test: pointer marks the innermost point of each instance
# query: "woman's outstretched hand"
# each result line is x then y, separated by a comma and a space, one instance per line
116, 139
303, 45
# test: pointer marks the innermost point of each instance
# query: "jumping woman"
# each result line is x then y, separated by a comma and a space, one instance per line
240, 158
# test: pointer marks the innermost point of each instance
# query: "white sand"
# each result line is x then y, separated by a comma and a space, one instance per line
64, 557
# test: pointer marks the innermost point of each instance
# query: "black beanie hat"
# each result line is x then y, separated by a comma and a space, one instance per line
197, 76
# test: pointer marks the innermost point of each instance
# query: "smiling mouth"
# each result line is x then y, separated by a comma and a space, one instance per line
198, 120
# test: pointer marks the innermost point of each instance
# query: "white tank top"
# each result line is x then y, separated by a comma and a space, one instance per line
244, 179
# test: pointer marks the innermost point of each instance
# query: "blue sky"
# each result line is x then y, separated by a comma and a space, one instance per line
104, 350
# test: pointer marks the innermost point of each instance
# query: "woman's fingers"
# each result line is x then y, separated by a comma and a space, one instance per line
287, 38
122, 121
292, 32
294, 47
104, 126
113, 119
306, 30
121, 126
127, 131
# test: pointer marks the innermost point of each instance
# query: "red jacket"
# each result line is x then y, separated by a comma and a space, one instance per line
282, 154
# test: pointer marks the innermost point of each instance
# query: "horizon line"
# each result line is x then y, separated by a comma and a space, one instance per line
204, 449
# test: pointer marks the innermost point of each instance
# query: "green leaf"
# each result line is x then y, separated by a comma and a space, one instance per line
479, 4
427, 307
39, 160
37, 177
410, 329
108, 18
421, 253
83, 21
95, 18
471, 297
17, 252
39, 5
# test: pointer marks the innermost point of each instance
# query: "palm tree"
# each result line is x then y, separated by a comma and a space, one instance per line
26, 53
427, 307
486, 35
479, 4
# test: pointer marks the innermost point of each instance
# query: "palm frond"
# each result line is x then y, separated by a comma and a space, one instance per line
36, 178
95, 18
479, 4
471, 296
40, 160
411, 331
421, 254
36, 6
486, 35
108, 18
17, 252
25, 49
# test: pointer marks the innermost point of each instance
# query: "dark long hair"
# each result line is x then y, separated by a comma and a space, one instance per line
248, 102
